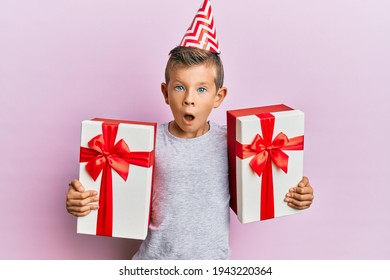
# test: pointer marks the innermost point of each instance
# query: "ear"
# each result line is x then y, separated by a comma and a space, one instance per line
220, 96
164, 90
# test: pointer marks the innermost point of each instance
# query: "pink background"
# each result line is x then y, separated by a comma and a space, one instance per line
65, 61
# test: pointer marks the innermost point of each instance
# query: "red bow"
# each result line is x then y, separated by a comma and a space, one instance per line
267, 151
103, 156
264, 150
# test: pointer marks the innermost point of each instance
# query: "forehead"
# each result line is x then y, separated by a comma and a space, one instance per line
205, 72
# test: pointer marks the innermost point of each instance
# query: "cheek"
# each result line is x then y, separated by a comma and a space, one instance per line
177, 102
207, 108
174, 107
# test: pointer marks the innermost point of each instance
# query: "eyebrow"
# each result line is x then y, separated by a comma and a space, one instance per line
201, 84
177, 81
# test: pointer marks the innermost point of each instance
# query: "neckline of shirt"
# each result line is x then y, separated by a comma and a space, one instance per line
188, 140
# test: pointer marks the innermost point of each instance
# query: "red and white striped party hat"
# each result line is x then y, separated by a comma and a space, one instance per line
202, 34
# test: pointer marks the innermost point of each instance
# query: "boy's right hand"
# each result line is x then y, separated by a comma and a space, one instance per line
78, 200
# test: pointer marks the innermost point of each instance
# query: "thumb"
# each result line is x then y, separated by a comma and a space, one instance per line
76, 185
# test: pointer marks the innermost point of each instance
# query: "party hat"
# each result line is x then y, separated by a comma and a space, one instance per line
202, 34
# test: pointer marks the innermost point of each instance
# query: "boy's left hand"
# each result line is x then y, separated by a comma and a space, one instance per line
300, 197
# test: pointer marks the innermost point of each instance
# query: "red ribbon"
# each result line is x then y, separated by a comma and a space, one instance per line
103, 155
267, 151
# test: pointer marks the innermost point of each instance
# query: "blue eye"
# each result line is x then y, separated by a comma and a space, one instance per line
179, 88
201, 90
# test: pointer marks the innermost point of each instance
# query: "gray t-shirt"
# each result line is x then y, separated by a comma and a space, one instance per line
190, 201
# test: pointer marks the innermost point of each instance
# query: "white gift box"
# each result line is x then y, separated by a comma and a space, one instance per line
257, 197
128, 198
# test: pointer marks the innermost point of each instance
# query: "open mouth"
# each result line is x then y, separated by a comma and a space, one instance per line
189, 117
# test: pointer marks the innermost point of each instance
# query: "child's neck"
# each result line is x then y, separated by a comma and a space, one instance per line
176, 131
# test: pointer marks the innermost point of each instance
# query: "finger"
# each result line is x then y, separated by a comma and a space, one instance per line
86, 208
303, 182
305, 190
299, 197
81, 195
299, 191
76, 185
297, 204
78, 212
302, 190
298, 207
81, 202
82, 211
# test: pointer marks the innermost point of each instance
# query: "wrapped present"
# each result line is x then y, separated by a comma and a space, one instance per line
116, 160
265, 147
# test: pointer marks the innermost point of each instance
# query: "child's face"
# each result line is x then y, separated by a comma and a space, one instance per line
192, 94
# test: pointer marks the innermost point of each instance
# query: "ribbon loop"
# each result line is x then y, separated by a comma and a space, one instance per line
263, 152
280, 140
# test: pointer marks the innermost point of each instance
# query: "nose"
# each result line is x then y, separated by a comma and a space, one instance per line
189, 98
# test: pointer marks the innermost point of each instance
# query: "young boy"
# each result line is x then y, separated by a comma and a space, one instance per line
190, 212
